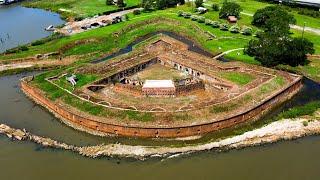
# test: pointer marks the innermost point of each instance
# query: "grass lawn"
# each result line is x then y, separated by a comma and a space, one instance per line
159, 72
237, 77
76, 8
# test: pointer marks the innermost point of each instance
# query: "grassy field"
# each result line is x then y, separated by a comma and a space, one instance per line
251, 6
158, 72
76, 8
237, 77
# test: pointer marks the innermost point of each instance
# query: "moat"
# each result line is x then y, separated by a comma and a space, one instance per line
28, 156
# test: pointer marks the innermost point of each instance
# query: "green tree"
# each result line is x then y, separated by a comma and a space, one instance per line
120, 3
230, 9
198, 3
271, 50
109, 2
147, 5
274, 19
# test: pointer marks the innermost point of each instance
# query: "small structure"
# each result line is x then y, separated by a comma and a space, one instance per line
156, 88
232, 19
72, 79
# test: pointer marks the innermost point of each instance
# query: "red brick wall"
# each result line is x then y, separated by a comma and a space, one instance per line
146, 132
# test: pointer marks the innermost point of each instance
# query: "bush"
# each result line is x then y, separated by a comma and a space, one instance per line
305, 123
38, 42
224, 27
198, 3
234, 29
23, 48
79, 18
187, 15
247, 31
258, 33
194, 18
201, 19
309, 12
208, 22
215, 7
215, 24
109, 2
136, 12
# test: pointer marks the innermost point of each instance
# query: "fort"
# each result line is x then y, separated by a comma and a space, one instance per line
164, 90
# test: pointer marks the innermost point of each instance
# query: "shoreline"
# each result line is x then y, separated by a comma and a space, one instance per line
287, 129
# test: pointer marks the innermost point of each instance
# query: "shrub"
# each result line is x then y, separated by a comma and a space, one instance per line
234, 29
187, 15
247, 30
23, 48
305, 123
180, 13
198, 3
38, 42
109, 2
224, 27
79, 18
258, 33
194, 18
215, 24
215, 7
136, 12
201, 19
208, 22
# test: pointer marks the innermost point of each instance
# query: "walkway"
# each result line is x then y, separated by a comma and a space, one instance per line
227, 52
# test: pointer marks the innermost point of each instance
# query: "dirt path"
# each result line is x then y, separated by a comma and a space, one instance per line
27, 64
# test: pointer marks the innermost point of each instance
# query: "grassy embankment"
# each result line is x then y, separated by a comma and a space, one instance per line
77, 8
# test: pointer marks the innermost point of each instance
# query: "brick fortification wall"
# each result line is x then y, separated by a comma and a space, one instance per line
94, 127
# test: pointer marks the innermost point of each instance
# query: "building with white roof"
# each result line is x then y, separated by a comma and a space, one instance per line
159, 88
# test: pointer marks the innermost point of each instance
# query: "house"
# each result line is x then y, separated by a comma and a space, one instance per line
232, 19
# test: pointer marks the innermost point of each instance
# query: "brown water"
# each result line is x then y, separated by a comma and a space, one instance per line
28, 161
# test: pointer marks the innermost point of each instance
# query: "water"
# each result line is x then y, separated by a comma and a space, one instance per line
192, 46
294, 160
19, 25
25, 160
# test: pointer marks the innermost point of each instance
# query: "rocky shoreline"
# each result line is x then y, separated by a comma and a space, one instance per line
280, 130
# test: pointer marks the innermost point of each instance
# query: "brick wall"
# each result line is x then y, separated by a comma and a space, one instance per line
93, 126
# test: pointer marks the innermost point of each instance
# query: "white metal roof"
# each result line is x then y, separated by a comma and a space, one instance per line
158, 84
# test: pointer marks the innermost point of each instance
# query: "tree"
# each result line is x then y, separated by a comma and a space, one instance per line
215, 7
120, 3
297, 50
274, 19
109, 2
147, 5
230, 9
198, 3
271, 50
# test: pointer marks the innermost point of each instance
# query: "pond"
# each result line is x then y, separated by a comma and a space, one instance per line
20, 25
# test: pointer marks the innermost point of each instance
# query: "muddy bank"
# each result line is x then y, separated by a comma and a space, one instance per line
276, 131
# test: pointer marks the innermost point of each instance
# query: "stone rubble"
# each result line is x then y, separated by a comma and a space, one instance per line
280, 130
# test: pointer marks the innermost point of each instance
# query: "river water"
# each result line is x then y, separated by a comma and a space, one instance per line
294, 160
19, 25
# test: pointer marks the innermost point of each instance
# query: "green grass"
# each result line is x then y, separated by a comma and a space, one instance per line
77, 8
237, 77
307, 109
